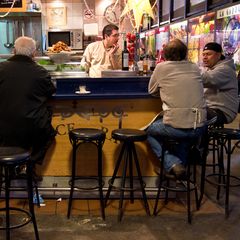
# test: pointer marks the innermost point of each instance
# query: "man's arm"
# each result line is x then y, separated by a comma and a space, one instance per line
218, 77
153, 86
115, 57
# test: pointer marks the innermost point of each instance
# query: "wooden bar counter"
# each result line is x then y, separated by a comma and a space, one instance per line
112, 103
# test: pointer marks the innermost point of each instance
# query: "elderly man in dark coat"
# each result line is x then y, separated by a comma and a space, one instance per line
25, 118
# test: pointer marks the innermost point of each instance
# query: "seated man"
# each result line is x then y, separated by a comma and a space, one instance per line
220, 84
179, 85
24, 90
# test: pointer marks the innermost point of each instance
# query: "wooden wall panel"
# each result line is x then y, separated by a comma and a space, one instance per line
105, 114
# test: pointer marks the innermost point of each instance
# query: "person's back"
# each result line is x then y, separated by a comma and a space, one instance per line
179, 85
24, 89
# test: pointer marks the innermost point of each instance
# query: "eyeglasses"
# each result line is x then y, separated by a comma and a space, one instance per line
115, 35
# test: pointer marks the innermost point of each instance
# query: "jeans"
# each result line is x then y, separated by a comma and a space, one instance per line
178, 155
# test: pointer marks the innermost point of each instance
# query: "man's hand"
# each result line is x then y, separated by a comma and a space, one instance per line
114, 49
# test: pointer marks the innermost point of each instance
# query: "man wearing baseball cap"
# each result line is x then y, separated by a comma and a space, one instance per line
220, 83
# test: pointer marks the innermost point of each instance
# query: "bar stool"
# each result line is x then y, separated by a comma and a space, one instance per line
170, 183
77, 137
10, 157
224, 137
128, 157
213, 147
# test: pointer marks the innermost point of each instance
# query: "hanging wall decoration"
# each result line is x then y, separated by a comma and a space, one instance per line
56, 17
139, 7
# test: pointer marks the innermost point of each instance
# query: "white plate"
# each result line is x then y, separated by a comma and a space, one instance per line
85, 92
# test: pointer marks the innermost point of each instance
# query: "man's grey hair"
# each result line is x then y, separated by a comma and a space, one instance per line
25, 46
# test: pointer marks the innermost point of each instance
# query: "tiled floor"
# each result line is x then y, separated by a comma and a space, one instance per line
171, 223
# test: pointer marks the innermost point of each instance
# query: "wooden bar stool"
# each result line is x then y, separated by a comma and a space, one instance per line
10, 157
77, 137
128, 158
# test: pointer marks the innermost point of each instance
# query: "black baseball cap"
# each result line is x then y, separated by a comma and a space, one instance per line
215, 47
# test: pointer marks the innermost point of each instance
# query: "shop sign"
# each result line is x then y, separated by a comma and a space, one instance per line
8, 3
226, 12
19, 5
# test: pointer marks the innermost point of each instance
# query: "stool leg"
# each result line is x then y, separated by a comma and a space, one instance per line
99, 146
215, 147
30, 198
114, 173
195, 183
221, 173
203, 168
72, 178
189, 195
129, 149
1, 179
140, 179
159, 189
228, 177
7, 195
124, 173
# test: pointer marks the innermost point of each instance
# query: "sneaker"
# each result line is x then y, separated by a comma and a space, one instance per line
35, 200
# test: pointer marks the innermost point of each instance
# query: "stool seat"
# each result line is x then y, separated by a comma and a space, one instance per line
233, 134
13, 155
129, 134
87, 134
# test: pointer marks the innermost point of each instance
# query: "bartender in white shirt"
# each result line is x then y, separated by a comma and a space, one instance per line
105, 54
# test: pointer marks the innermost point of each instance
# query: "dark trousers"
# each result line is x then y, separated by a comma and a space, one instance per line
38, 141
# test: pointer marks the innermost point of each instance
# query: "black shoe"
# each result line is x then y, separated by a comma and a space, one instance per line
179, 171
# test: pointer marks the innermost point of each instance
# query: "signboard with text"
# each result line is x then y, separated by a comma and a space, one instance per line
19, 6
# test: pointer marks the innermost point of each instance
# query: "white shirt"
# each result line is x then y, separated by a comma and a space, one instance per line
98, 58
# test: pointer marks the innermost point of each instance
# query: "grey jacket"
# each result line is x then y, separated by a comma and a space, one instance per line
221, 88
179, 85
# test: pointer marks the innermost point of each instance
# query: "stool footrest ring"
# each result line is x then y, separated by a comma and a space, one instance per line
86, 178
182, 188
222, 175
129, 189
27, 220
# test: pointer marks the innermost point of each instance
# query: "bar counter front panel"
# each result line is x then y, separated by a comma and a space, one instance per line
113, 103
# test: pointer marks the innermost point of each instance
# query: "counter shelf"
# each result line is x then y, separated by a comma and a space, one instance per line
101, 88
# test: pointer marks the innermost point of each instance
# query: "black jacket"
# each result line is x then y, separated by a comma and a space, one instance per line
24, 89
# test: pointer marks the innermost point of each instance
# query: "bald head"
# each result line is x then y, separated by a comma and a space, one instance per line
25, 46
